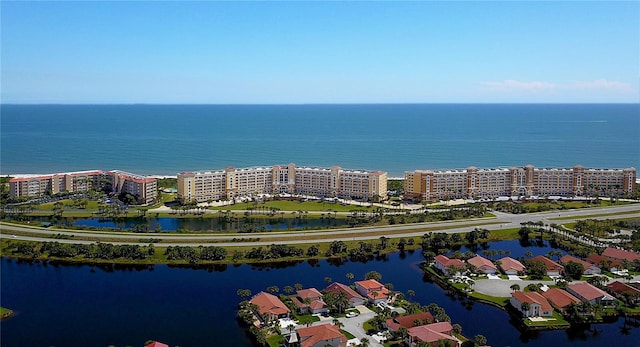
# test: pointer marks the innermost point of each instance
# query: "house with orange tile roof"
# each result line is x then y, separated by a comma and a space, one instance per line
483, 265
589, 269
538, 305
559, 298
553, 268
432, 334
624, 292
589, 293
321, 336
373, 290
354, 298
269, 307
309, 301
620, 254
448, 266
409, 321
511, 266
604, 262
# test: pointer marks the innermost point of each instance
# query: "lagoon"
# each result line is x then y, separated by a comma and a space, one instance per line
82, 305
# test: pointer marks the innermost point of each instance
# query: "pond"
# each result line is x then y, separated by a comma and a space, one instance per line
64, 305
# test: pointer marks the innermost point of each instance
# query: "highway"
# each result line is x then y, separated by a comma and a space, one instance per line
501, 221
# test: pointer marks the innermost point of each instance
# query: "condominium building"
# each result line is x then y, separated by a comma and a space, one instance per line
281, 179
34, 186
474, 183
144, 188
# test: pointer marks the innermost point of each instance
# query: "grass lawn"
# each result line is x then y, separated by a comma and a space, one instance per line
5, 311
504, 234
275, 340
495, 300
557, 321
285, 205
303, 320
347, 334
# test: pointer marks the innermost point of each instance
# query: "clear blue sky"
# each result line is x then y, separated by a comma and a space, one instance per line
317, 52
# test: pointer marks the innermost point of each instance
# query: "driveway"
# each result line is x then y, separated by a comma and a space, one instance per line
354, 325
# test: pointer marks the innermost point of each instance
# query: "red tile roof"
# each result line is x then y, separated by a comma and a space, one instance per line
268, 303
310, 293
448, 262
407, 321
587, 291
508, 263
620, 254
548, 263
432, 332
597, 259
621, 288
560, 298
533, 298
339, 287
370, 284
481, 262
156, 344
309, 336
568, 258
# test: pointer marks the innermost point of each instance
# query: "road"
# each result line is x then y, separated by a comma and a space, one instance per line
501, 221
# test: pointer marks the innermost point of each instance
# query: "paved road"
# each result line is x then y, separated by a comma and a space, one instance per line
502, 221
501, 288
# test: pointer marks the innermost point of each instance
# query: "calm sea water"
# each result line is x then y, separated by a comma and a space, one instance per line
88, 306
166, 139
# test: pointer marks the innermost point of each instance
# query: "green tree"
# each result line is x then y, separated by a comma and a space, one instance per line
373, 275
573, 270
480, 340
515, 287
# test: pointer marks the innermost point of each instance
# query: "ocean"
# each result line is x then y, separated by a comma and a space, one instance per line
167, 139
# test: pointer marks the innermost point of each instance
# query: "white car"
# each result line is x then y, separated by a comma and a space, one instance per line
351, 315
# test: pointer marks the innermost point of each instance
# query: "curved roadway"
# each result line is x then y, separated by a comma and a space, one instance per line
501, 221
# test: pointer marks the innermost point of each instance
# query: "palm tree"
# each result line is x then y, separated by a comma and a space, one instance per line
411, 293
525, 307
364, 342
515, 287
350, 276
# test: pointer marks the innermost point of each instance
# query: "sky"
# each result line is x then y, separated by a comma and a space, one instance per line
319, 52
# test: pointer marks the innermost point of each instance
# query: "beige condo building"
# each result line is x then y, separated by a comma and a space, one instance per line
474, 183
281, 179
144, 188
34, 186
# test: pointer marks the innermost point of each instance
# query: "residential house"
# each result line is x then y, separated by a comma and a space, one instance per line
432, 334
483, 265
591, 294
538, 305
448, 266
309, 301
373, 290
604, 262
355, 299
321, 336
409, 321
559, 299
589, 268
553, 268
625, 292
620, 255
510, 266
269, 307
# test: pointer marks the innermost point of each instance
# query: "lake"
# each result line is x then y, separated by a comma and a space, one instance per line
66, 305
